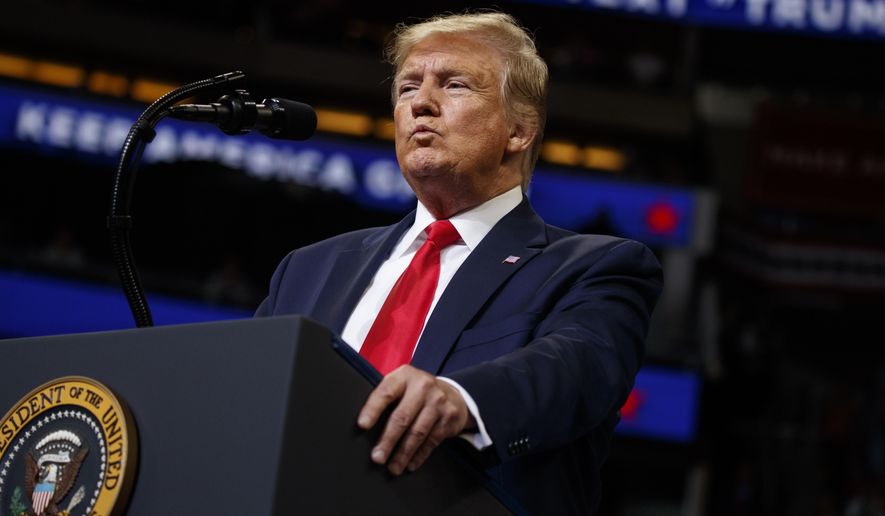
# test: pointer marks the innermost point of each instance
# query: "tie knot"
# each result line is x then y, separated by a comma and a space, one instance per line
442, 233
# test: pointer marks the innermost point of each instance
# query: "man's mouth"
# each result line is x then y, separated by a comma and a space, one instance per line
421, 129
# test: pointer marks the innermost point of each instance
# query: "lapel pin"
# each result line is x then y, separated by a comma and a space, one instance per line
511, 259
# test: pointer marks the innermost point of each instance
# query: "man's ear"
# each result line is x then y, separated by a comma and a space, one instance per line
521, 137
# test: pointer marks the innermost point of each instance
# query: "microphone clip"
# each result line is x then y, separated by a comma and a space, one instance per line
241, 110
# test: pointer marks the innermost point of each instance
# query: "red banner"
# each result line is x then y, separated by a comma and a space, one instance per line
817, 161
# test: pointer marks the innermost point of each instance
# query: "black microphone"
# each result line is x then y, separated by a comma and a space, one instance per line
236, 113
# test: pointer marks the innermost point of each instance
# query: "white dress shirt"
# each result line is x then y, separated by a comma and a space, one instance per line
472, 225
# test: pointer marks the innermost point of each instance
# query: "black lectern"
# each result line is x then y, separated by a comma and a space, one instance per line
245, 417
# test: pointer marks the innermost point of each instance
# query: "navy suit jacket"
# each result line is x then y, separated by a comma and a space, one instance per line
547, 346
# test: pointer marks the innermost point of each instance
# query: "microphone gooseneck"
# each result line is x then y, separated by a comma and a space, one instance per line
119, 220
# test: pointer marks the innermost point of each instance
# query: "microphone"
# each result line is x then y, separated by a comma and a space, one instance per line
236, 113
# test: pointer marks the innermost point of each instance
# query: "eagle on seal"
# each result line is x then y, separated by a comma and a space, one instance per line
50, 471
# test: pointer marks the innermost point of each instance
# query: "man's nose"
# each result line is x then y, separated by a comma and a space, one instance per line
425, 102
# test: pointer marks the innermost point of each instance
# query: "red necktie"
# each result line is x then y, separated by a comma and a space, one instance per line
395, 332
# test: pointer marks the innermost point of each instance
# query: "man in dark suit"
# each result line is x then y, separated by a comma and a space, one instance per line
488, 324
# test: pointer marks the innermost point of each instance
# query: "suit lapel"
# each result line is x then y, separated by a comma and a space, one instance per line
520, 233
353, 270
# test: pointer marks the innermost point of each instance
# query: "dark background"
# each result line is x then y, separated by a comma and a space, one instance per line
778, 309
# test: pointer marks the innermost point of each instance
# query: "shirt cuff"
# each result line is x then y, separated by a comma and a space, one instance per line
481, 439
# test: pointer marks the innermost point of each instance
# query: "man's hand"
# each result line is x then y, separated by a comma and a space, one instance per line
428, 411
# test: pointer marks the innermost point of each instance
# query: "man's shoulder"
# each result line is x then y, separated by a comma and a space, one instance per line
563, 237
596, 249
351, 239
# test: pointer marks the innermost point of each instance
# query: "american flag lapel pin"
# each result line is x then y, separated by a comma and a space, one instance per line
511, 259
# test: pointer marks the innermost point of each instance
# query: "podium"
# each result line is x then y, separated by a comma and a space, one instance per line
250, 417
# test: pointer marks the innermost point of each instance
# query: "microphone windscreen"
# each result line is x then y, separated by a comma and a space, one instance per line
297, 121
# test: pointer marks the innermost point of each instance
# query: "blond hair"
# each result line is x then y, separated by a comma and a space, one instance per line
524, 77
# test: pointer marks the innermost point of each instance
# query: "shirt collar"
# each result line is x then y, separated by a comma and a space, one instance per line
473, 225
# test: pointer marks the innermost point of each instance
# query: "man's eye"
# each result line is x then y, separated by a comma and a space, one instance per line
456, 85
405, 88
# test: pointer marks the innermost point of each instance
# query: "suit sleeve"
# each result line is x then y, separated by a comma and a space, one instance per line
580, 365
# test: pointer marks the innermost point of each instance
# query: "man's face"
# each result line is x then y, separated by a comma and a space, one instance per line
451, 130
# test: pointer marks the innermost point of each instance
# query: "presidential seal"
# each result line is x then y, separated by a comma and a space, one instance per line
67, 448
